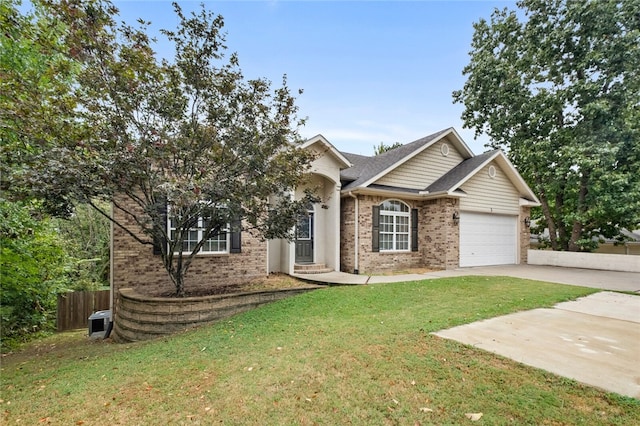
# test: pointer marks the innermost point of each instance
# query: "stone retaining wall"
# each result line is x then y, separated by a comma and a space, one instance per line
141, 317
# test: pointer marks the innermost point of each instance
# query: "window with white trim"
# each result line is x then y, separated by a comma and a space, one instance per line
216, 244
394, 226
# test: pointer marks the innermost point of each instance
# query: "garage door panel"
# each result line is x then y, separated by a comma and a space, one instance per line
487, 239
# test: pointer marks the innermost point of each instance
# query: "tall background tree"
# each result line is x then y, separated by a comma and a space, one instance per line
145, 133
559, 88
40, 256
381, 148
37, 104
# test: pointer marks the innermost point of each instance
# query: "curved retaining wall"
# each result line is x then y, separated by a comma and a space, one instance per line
140, 317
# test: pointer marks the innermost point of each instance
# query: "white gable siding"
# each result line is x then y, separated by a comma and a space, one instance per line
424, 169
490, 195
325, 163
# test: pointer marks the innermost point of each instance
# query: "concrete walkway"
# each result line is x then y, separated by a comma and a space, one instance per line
606, 280
594, 340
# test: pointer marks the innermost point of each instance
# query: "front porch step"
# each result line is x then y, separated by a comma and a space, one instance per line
311, 268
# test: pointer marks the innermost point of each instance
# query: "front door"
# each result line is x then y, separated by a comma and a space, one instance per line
304, 238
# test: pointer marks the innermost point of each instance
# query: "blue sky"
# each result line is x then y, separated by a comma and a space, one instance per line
371, 71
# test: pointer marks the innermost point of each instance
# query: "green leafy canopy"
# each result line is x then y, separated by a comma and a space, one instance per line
140, 132
560, 90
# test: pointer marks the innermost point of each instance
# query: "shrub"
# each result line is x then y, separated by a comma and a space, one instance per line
87, 236
34, 267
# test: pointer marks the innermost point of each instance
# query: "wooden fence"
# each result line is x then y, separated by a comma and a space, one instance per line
74, 308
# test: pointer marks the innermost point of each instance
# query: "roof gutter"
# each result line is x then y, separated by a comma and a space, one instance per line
422, 195
355, 239
528, 203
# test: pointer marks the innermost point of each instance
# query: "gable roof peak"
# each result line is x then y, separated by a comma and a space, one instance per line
456, 177
367, 169
328, 146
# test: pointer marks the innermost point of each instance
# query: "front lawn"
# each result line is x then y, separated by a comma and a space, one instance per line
358, 355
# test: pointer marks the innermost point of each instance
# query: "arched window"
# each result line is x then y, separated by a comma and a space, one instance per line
394, 226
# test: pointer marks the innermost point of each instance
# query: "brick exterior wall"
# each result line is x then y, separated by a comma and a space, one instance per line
136, 267
525, 234
347, 234
438, 241
439, 237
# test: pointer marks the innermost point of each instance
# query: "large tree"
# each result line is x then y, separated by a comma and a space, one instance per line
36, 99
558, 85
381, 148
192, 134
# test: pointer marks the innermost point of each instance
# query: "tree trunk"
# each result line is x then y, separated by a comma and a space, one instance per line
576, 230
179, 283
562, 230
177, 273
576, 233
177, 278
546, 211
551, 225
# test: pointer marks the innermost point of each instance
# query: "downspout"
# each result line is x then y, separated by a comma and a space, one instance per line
268, 258
111, 268
291, 258
356, 213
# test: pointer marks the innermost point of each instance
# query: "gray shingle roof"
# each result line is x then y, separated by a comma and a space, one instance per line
358, 163
394, 188
365, 168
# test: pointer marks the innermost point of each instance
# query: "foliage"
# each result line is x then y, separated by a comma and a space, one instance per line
34, 267
36, 101
382, 147
359, 355
87, 236
561, 91
37, 113
144, 133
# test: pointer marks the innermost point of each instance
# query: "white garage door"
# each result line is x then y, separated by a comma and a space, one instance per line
487, 239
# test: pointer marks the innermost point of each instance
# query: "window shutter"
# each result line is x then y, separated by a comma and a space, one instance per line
236, 236
375, 232
158, 242
414, 229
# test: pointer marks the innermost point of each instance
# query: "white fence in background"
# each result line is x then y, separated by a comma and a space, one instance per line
608, 262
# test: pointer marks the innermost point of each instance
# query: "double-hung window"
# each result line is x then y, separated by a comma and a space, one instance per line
394, 226
218, 243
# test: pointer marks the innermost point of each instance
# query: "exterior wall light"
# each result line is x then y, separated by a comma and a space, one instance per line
527, 221
456, 218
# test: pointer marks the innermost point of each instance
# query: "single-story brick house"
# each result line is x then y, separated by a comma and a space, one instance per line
429, 203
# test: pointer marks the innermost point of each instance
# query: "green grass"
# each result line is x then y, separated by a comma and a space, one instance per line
357, 355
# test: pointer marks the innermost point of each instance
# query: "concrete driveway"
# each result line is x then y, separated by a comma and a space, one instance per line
606, 280
594, 340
